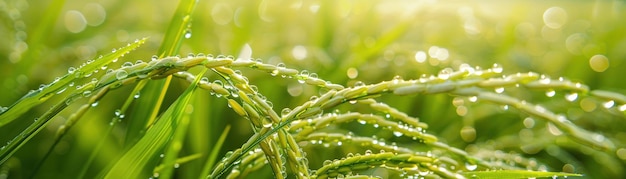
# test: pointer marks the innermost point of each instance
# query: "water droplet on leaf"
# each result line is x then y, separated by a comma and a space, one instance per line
571, 97
121, 74
188, 33
71, 70
608, 104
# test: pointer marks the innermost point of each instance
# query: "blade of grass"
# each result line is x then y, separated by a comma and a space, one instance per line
180, 113
140, 159
202, 134
64, 129
114, 121
37, 97
179, 161
214, 152
154, 91
28, 133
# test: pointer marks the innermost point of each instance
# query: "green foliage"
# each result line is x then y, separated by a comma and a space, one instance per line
170, 116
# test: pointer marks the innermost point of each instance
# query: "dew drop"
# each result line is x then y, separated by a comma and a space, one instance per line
397, 133
127, 64
544, 79
470, 166
230, 57
188, 33
499, 89
121, 74
142, 75
598, 137
445, 73
204, 79
466, 67
154, 58
118, 112
87, 93
234, 94
622, 107
274, 72
550, 93
368, 152
608, 104
238, 72
285, 111
327, 162
473, 98
61, 90
217, 82
497, 68
304, 73
571, 97
553, 129
358, 84
94, 104
254, 88
71, 70
136, 95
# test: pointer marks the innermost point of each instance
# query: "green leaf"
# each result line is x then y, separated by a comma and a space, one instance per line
138, 162
37, 97
497, 174
179, 161
148, 107
214, 152
182, 117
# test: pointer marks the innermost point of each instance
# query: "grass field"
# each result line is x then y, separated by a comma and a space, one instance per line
312, 89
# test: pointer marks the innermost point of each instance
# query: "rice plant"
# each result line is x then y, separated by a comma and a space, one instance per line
334, 89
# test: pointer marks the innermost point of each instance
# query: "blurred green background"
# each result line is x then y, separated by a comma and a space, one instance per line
343, 41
